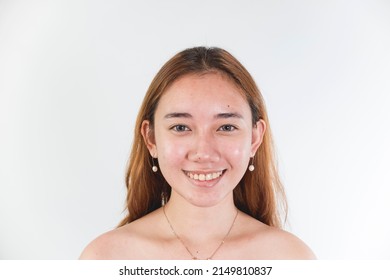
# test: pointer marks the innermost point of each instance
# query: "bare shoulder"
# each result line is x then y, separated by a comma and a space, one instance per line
267, 242
127, 242
285, 245
108, 245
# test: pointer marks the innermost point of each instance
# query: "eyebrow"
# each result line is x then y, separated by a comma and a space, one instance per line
228, 115
217, 116
177, 115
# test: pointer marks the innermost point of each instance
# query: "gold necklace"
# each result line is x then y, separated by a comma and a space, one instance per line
188, 250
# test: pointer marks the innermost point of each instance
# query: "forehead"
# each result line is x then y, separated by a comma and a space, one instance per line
210, 93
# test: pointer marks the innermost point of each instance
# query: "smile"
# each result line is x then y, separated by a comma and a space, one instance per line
204, 176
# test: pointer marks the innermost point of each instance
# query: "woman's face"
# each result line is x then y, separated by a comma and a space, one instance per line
203, 138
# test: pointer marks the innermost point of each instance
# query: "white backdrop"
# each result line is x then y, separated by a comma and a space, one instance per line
73, 74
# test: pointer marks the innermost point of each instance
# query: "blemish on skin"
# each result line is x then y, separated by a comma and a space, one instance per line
228, 106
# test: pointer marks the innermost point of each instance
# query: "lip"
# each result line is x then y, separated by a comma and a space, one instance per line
205, 183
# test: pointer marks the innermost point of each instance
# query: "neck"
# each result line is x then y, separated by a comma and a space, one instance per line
200, 223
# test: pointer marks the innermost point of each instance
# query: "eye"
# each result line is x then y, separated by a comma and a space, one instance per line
227, 127
180, 128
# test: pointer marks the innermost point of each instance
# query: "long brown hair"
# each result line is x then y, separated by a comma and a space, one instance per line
259, 193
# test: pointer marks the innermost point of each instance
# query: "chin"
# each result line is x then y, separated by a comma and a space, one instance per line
206, 200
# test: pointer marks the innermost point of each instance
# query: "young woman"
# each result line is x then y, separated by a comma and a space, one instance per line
201, 181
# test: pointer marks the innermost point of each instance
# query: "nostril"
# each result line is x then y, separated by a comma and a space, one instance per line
204, 153
204, 157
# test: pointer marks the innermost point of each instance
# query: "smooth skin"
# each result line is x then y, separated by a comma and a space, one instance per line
203, 129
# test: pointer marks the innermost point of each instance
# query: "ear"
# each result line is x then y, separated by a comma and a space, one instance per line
148, 135
257, 136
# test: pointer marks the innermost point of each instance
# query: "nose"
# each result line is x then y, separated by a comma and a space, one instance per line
204, 149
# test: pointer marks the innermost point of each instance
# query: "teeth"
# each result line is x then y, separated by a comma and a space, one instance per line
204, 177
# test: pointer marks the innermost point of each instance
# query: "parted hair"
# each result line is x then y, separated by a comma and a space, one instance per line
260, 193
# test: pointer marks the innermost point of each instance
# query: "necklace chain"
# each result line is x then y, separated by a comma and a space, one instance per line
188, 250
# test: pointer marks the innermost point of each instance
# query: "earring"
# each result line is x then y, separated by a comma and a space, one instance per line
251, 166
154, 167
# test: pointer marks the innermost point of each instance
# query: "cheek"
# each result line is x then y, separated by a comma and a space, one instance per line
170, 151
238, 158
238, 149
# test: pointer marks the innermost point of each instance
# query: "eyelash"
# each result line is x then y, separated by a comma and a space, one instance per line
232, 127
175, 128
184, 128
